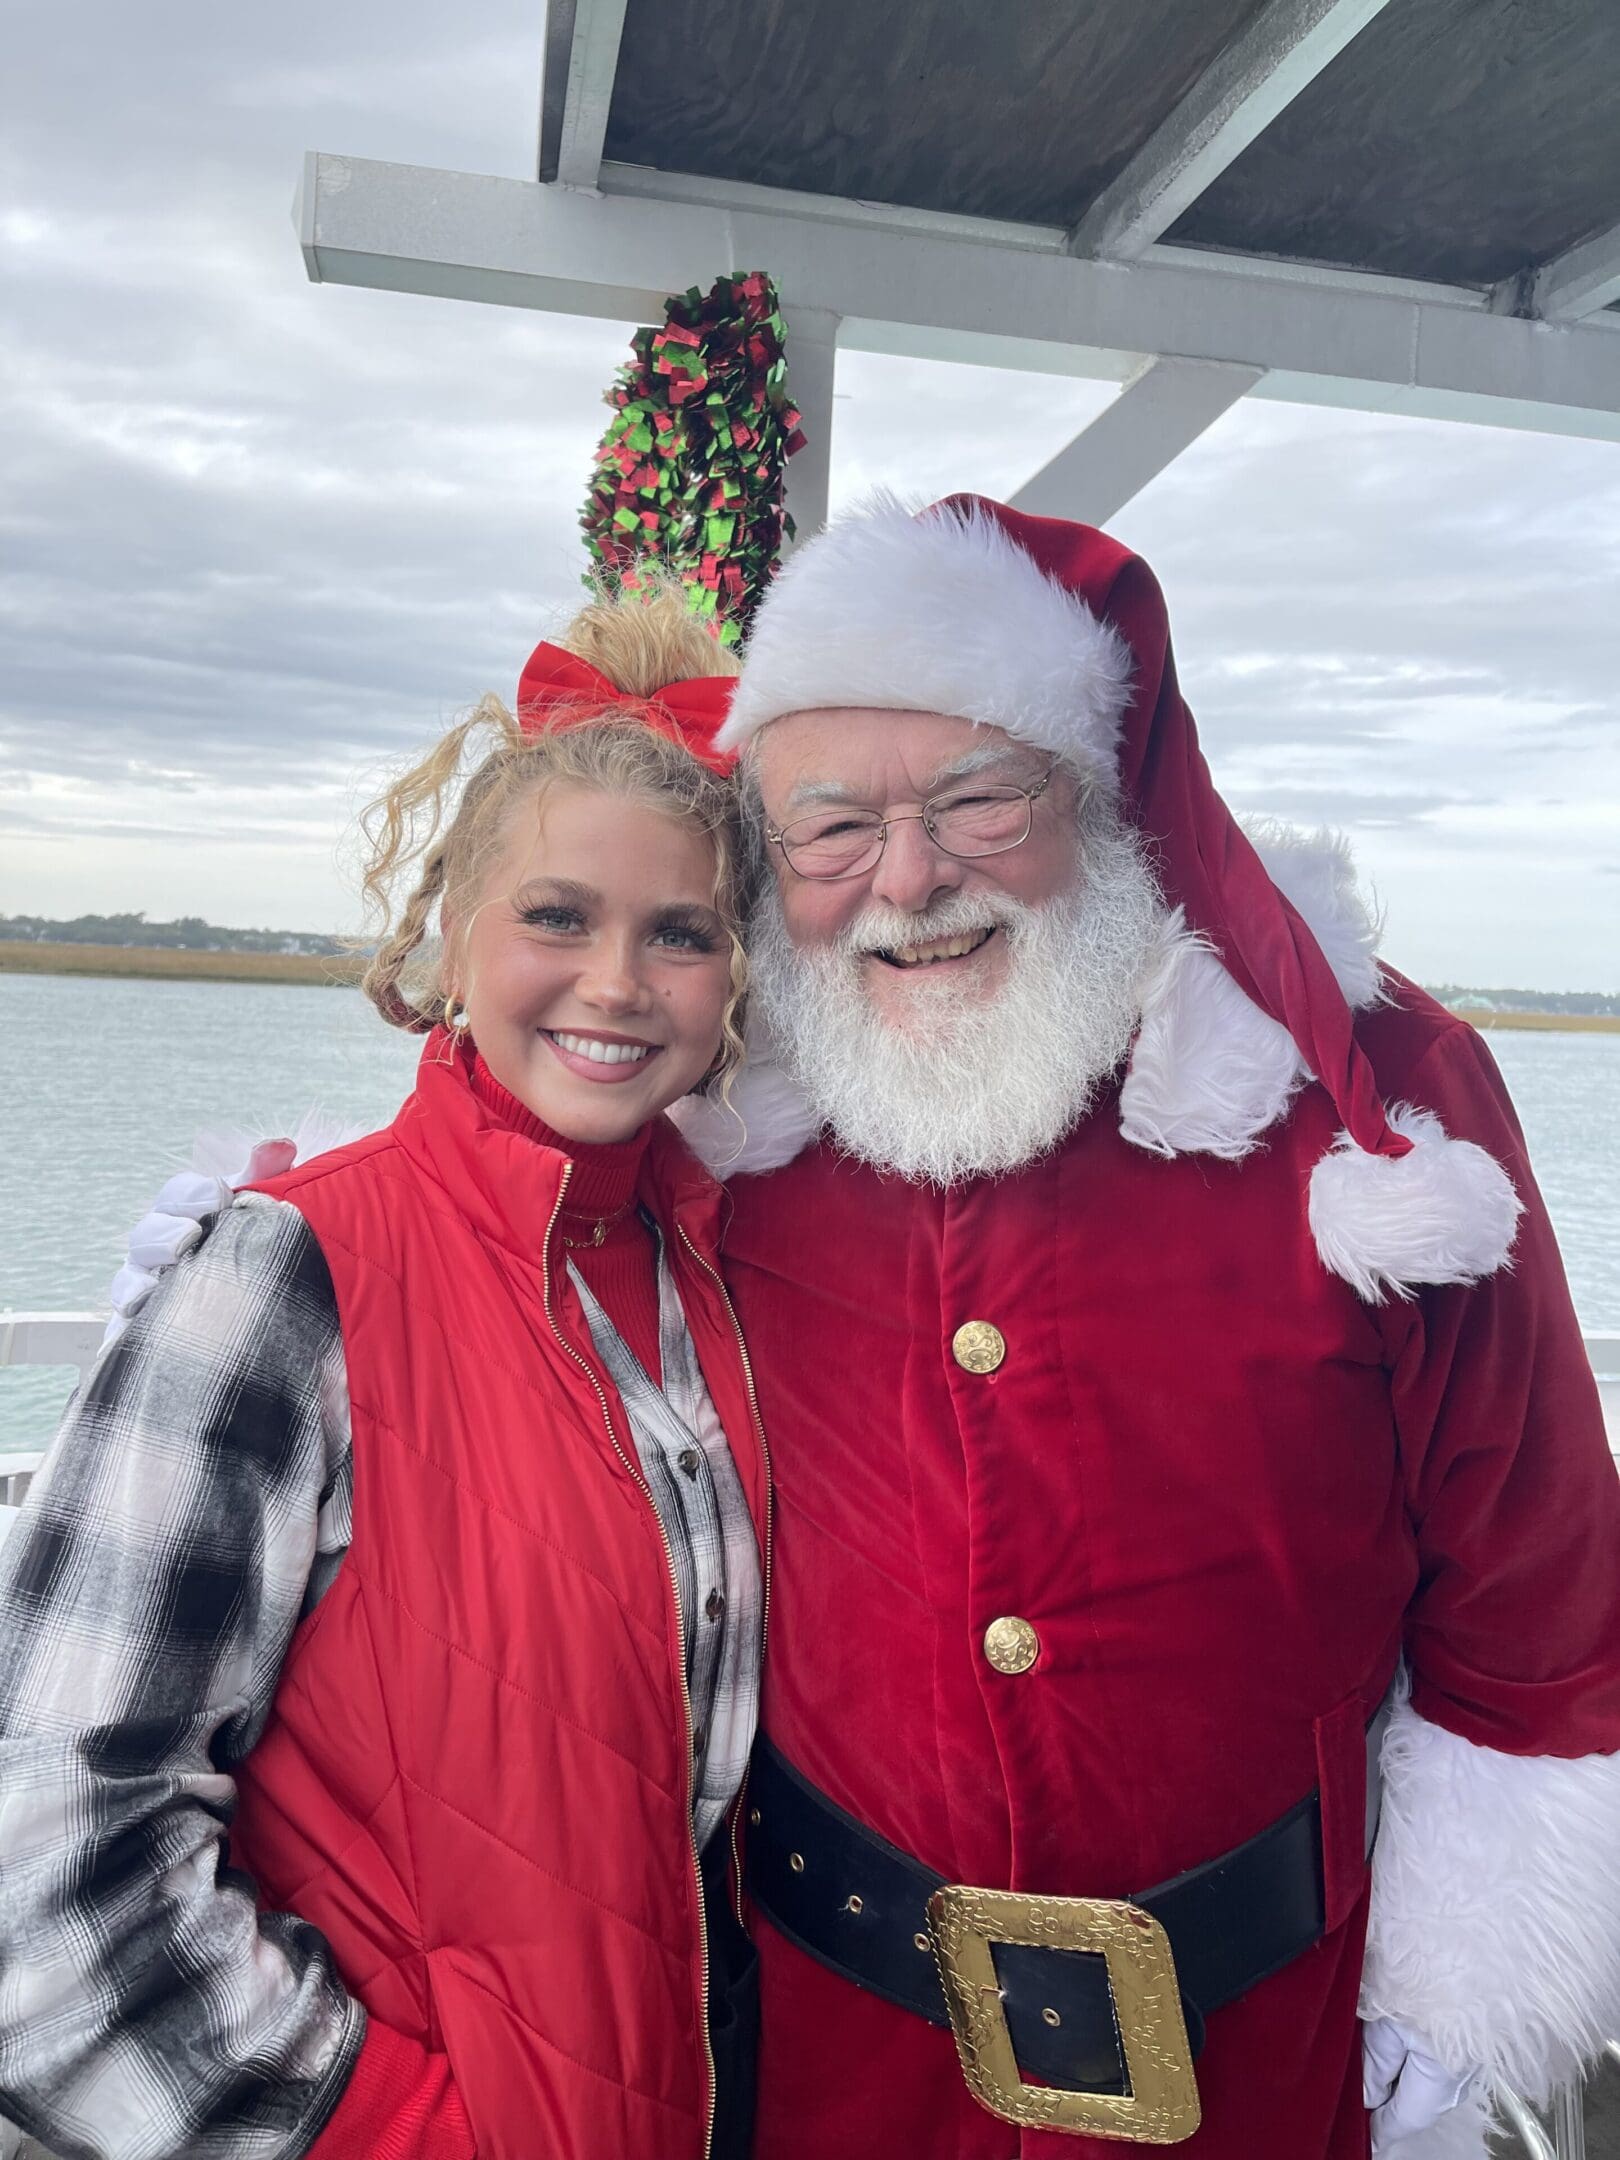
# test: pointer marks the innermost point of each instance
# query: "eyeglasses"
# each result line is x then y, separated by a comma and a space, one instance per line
967, 822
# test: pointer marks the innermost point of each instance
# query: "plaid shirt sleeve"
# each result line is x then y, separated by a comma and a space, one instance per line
195, 1502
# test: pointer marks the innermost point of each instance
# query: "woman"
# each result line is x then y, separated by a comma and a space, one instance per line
400, 1538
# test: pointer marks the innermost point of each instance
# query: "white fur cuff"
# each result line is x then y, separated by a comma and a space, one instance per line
1495, 1926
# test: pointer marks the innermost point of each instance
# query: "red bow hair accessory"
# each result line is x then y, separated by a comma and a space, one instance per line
558, 689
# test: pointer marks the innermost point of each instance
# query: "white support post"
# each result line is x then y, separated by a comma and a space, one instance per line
812, 363
1242, 91
593, 60
1580, 281
1154, 418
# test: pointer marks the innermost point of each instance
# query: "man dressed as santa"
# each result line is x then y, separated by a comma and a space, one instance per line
1195, 1626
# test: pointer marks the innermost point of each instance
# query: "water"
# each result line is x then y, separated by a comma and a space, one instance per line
104, 1084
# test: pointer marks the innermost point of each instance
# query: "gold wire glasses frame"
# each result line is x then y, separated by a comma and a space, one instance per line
967, 822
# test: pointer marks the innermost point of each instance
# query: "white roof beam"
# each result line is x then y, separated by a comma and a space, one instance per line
812, 336
593, 60
1154, 418
1579, 282
1266, 66
517, 243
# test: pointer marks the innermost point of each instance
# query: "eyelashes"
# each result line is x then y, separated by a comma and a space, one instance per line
696, 933
675, 930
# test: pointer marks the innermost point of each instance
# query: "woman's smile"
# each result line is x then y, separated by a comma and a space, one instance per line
594, 1055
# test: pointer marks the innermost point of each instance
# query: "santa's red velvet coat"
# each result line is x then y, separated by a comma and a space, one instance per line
1225, 1493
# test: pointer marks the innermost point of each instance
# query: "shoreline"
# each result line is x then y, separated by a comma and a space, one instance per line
178, 963
341, 971
1540, 1023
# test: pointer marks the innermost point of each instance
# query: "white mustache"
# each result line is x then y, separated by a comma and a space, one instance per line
880, 928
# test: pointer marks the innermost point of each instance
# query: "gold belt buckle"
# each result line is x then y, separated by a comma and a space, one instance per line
1162, 2106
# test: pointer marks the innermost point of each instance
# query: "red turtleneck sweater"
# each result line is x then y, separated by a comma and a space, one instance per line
623, 1270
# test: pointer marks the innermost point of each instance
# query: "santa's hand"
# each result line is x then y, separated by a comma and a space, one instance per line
174, 1223
1404, 2088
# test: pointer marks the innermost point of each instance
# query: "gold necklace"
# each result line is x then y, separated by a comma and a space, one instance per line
602, 1225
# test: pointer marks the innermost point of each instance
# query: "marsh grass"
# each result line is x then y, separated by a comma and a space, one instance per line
179, 964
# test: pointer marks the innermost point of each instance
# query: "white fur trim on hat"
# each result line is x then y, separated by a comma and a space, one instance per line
1495, 1923
1444, 1213
1210, 1072
940, 613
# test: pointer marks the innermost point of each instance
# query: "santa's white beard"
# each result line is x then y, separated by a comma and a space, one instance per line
949, 1086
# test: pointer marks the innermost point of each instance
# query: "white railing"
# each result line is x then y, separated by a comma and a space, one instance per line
41, 1338
73, 1338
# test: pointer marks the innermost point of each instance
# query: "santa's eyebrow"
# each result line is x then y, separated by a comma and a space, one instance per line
974, 762
810, 793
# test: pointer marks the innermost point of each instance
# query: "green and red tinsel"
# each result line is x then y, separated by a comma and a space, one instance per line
690, 472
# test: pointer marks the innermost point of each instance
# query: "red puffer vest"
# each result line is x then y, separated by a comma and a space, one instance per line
475, 1775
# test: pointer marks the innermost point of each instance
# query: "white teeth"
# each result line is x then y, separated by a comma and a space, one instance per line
940, 949
601, 1053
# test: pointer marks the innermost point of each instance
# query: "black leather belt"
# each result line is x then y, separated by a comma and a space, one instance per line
870, 1912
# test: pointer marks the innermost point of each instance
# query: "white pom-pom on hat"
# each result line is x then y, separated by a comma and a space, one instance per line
1444, 1213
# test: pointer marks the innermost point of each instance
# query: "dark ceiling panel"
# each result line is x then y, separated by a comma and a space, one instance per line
1017, 109
1453, 139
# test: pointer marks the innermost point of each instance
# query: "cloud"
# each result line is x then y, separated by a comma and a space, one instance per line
260, 538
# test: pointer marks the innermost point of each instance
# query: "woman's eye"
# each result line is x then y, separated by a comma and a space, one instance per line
552, 918
683, 937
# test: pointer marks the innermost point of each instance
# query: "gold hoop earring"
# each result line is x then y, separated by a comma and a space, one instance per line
456, 1017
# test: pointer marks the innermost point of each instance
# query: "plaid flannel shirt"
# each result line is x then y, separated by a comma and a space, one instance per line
196, 1503
147, 1594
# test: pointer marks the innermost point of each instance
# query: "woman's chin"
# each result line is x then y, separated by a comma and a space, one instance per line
598, 1115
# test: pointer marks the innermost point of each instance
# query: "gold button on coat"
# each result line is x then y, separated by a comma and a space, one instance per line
1011, 1645
978, 1346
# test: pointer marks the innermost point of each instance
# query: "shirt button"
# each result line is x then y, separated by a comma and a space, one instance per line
1011, 1645
714, 1605
978, 1347
700, 1733
689, 1459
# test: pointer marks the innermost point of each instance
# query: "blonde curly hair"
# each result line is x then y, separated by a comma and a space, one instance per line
431, 838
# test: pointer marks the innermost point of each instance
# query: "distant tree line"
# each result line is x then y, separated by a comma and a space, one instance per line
188, 933
1461, 999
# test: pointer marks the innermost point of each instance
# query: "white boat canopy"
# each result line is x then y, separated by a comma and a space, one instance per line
1406, 206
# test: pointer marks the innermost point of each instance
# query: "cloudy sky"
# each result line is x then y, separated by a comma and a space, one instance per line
262, 537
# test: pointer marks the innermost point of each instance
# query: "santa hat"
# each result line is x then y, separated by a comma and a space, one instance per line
557, 690
1058, 634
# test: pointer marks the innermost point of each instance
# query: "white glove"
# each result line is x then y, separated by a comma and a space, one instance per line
174, 1223
1404, 2088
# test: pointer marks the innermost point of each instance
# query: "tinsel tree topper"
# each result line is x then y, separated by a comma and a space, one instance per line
690, 472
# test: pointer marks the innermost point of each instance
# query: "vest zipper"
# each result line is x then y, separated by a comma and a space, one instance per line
741, 1800
638, 1478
